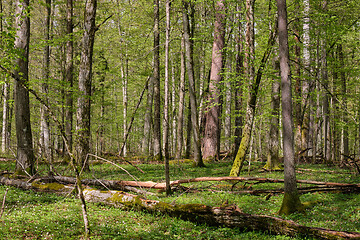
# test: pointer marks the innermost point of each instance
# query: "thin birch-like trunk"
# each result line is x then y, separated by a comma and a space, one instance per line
156, 80
166, 102
69, 66
239, 80
45, 124
180, 117
125, 104
190, 69
5, 135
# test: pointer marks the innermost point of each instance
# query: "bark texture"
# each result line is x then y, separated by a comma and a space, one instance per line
45, 123
85, 75
291, 202
156, 79
250, 111
211, 138
180, 117
193, 104
69, 74
25, 152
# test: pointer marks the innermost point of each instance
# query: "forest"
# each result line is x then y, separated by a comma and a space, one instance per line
120, 118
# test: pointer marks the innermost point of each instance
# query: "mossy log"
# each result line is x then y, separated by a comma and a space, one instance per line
230, 216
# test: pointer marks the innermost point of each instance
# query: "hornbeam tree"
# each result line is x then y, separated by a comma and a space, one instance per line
156, 82
85, 72
211, 139
25, 151
193, 104
291, 201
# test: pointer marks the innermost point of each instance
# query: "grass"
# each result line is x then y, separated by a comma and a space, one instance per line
31, 215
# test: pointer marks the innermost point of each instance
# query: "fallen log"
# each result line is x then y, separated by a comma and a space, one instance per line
122, 185
229, 216
111, 184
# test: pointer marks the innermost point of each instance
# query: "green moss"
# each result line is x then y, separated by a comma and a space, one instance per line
48, 186
291, 203
182, 161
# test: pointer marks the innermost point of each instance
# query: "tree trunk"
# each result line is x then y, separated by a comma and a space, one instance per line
211, 139
291, 201
45, 124
189, 64
166, 102
25, 152
173, 110
299, 96
69, 74
180, 117
309, 115
273, 160
250, 41
85, 75
156, 78
239, 81
5, 134
326, 109
345, 133
250, 111
228, 101
145, 146
125, 103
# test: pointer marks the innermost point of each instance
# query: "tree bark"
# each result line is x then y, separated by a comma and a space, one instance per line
291, 201
85, 76
5, 134
45, 124
125, 103
239, 81
166, 102
273, 160
156, 78
250, 111
25, 152
180, 117
345, 132
211, 139
69, 74
189, 64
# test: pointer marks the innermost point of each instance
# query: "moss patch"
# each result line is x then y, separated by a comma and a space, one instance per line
48, 186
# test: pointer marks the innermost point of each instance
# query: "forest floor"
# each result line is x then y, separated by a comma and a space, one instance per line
34, 215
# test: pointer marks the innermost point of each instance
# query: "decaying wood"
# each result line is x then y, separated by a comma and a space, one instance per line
121, 185
3, 203
230, 216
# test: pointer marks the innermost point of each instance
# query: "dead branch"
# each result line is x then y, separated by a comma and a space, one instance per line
230, 216
3, 203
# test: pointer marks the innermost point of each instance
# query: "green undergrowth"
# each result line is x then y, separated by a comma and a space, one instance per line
30, 215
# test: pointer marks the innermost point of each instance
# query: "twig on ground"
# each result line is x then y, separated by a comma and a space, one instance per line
3, 203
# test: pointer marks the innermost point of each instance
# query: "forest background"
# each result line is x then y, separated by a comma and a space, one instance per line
323, 55
199, 79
